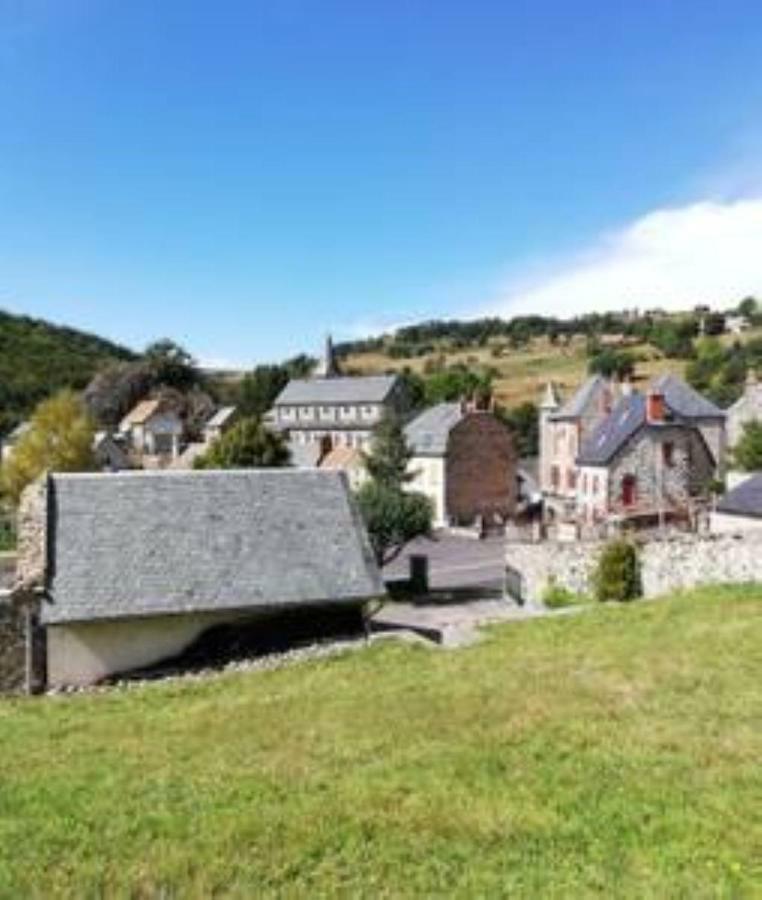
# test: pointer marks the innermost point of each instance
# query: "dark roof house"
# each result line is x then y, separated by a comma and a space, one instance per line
744, 500
338, 390
176, 551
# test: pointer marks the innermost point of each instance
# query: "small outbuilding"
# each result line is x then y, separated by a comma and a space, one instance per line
741, 508
125, 570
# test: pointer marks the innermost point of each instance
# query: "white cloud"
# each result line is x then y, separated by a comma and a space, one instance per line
707, 252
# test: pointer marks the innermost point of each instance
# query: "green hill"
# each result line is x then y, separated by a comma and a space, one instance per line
38, 358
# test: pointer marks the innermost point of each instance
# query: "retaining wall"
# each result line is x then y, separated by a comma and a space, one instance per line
667, 564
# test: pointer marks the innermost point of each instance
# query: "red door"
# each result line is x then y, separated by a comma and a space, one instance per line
629, 490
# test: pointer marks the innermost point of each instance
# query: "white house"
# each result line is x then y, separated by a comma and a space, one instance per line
153, 428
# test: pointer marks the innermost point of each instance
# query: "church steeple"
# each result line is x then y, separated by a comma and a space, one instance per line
328, 366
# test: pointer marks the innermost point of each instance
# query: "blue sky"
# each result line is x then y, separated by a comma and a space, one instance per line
244, 176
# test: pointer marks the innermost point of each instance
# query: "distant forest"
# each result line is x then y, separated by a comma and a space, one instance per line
37, 359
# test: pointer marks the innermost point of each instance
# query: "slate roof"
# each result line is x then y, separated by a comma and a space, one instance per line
328, 391
222, 415
627, 416
428, 433
684, 400
577, 403
744, 500
160, 543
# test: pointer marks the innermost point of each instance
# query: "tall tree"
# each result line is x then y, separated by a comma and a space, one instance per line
247, 445
389, 456
172, 364
59, 439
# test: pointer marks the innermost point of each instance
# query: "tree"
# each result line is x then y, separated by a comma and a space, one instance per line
389, 455
392, 515
60, 439
747, 454
249, 444
524, 422
260, 387
617, 575
748, 307
172, 364
612, 362
393, 518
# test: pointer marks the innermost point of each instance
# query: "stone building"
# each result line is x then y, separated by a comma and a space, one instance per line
644, 461
334, 410
564, 428
463, 460
748, 408
125, 570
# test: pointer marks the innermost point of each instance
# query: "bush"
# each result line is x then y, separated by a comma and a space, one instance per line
555, 596
617, 576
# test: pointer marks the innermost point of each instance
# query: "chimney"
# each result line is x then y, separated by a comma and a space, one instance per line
655, 407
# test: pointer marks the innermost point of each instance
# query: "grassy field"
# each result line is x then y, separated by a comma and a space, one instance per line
614, 753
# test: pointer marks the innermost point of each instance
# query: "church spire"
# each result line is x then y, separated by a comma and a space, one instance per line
328, 367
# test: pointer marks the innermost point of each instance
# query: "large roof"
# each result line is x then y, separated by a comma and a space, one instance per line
328, 391
161, 543
577, 403
428, 433
620, 424
684, 400
744, 500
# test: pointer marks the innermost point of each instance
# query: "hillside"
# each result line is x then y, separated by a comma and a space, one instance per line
38, 358
614, 753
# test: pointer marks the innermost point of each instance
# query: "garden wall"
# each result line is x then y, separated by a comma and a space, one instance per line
667, 564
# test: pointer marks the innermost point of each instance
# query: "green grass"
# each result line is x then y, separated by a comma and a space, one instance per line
613, 753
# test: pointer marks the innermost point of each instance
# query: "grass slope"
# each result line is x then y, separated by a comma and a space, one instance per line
611, 753
37, 358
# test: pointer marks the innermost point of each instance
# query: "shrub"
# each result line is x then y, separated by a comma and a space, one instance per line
617, 576
555, 596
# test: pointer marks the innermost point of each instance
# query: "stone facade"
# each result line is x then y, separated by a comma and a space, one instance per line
670, 564
664, 468
748, 408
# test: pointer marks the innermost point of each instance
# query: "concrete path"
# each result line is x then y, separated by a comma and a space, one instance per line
455, 562
451, 624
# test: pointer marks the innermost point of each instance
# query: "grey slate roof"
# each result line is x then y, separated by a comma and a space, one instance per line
627, 416
428, 433
744, 500
157, 543
684, 400
576, 404
328, 391
221, 417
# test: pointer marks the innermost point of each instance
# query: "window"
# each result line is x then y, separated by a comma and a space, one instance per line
668, 454
584, 484
595, 485
571, 479
555, 477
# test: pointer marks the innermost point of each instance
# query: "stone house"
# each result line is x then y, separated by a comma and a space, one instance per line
153, 428
748, 408
464, 460
122, 571
643, 461
564, 428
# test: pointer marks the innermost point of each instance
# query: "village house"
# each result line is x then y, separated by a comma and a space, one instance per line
123, 571
220, 422
153, 428
748, 408
463, 460
564, 428
335, 410
644, 462
348, 460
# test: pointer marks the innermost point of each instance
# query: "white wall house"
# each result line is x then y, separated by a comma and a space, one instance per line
153, 429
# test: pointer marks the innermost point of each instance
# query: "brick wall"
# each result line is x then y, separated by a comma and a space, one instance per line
480, 470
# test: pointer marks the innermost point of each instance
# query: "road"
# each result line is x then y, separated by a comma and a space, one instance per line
455, 562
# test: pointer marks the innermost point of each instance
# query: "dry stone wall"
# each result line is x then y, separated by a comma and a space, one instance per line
668, 564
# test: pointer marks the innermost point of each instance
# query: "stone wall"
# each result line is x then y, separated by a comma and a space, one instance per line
12, 648
668, 564
32, 537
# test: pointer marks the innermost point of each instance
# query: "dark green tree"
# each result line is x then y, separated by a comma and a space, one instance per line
617, 576
389, 456
247, 445
393, 518
171, 364
259, 388
524, 422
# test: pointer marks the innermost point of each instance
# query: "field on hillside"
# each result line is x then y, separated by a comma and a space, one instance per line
524, 373
614, 753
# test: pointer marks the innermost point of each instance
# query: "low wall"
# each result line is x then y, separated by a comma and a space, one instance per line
7, 570
666, 565
12, 649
